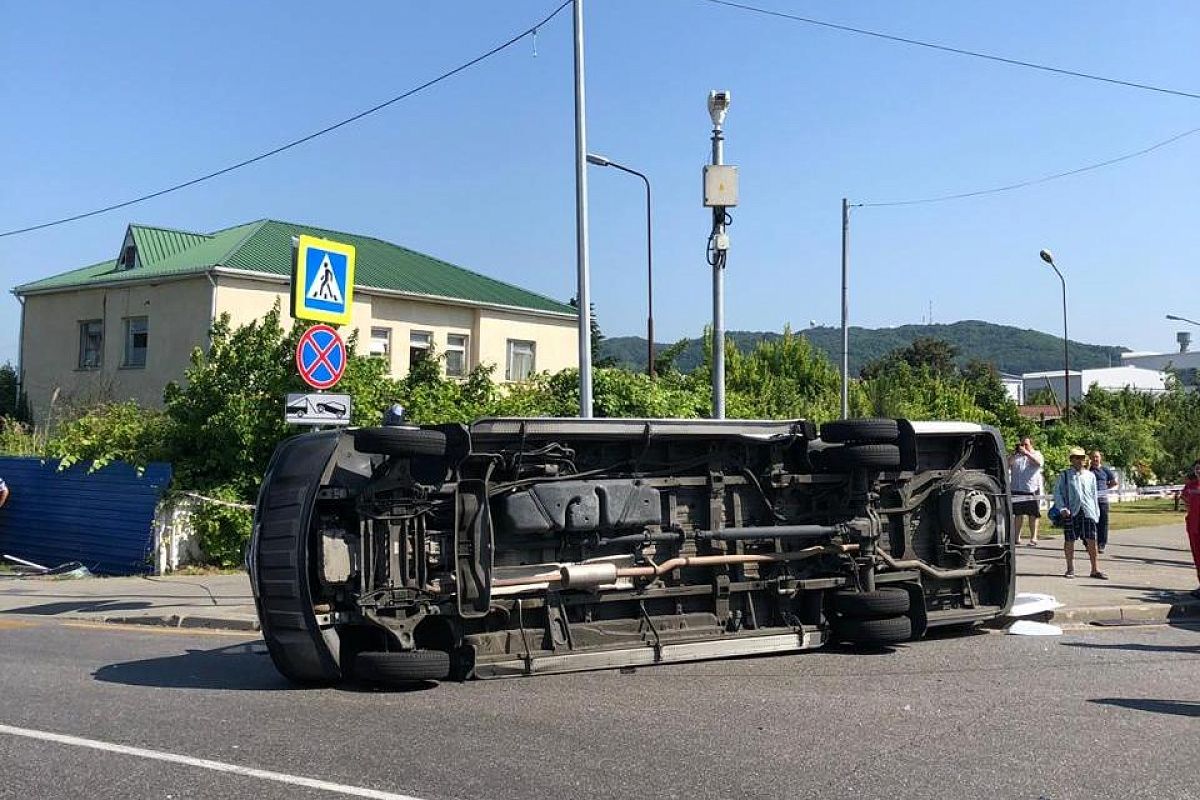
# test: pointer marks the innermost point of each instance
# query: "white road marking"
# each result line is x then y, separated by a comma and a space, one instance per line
204, 763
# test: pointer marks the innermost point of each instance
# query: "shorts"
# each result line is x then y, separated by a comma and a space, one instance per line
1026, 505
1079, 527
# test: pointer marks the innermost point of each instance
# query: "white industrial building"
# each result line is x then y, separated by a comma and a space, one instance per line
1150, 381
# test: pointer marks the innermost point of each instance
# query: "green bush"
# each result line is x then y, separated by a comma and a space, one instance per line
19, 439
110, 432
222, 531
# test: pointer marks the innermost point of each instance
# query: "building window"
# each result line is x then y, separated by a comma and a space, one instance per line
521, 362
91, 344
381, 342
136, 337
419, 344
456, 355
128, 257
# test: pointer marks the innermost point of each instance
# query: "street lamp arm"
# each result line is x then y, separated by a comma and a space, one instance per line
1183, 319
602, 161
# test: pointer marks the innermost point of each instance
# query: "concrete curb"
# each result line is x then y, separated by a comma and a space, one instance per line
1178, 611
178, 621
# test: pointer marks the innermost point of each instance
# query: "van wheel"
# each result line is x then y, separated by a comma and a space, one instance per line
399, 441
870, 456
869, 429
889, 630
402, 667
877, 604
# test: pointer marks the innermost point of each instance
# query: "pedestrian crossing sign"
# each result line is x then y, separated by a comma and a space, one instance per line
323, 280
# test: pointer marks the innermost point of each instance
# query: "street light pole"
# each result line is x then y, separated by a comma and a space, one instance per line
583, 277
601, 161
845, 309
1048, 257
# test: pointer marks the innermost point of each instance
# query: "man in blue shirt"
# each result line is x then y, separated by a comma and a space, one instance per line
1075, 496
1105, 479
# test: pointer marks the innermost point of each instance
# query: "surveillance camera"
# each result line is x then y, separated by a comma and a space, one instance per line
718, 105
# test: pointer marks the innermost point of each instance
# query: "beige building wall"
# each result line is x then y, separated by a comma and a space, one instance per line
177, 315
488, 330
556, 340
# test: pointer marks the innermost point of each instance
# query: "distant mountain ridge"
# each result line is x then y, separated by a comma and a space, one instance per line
1012, 350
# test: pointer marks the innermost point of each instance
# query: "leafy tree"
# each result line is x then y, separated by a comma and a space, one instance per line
1178, 436
923, 352
784, 378
665, 360
226, 417
597, 336
13, 405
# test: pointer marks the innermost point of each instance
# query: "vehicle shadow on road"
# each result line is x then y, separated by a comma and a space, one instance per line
237, 667
1177, 707
79, 606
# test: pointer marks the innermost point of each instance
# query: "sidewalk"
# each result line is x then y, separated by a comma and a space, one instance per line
190, 601
1150, 576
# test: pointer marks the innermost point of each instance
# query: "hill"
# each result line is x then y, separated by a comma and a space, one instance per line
1012, 350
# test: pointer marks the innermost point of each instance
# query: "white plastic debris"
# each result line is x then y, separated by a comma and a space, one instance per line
1027, 604
1027, 627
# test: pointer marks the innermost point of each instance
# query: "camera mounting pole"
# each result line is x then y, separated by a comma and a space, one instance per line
720, 192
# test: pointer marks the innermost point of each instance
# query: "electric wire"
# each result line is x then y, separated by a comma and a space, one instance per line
1023, 184
532, 30
955, 50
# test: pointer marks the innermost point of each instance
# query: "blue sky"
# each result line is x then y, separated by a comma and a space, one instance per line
108, 101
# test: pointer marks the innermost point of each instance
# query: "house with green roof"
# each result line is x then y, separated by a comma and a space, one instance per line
123, 328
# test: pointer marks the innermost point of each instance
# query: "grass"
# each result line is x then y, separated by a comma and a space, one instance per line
1144, 513
1122, 516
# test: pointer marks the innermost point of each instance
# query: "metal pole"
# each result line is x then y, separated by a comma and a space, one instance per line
583, 292
1066, 357
718, 379
845, 309
649, 285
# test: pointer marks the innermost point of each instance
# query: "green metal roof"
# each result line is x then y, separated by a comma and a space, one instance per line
265, 246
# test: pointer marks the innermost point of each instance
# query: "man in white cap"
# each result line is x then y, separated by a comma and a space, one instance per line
1075, 496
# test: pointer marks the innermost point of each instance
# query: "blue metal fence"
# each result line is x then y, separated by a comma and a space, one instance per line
104, 519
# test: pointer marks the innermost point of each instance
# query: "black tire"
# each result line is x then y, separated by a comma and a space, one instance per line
402, 667
871, 456
889, 630
280, 559
400, 441
971, 508
870, 429
877, 604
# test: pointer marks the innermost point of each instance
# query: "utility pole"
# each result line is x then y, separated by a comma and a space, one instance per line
583, 291
720, 192
845, 308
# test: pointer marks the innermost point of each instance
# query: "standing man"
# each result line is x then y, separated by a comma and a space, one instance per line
1075, 495
1105, 479
1025, 477
3, 492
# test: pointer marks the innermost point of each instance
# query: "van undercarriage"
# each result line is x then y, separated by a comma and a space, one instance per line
524, 546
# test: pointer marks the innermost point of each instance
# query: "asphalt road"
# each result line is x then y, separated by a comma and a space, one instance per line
1093, 714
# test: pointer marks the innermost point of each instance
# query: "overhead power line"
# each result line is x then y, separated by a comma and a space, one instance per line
1035, 181
531, 30
955, 50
